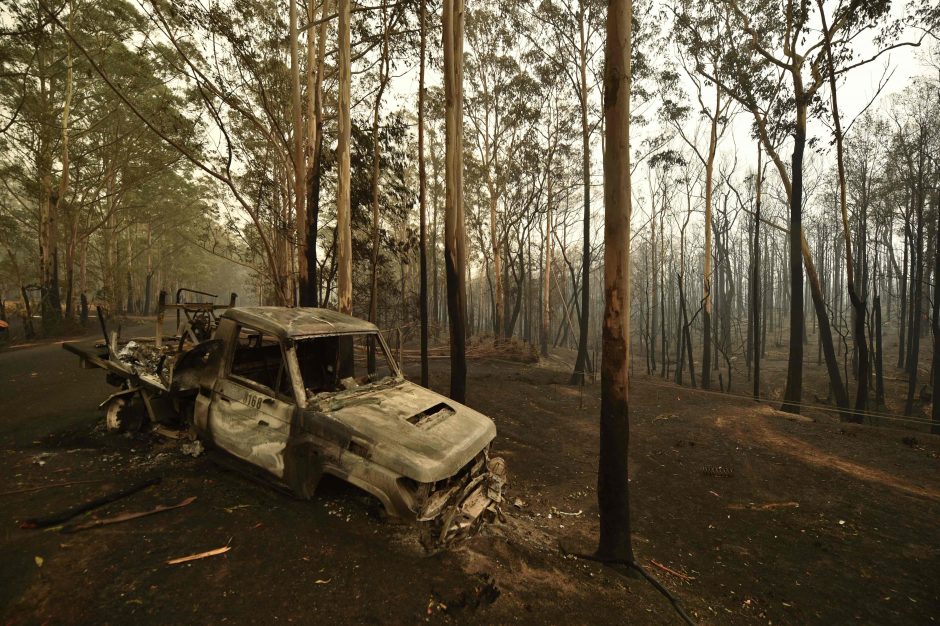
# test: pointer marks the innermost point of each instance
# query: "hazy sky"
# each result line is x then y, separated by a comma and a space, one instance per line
855, 92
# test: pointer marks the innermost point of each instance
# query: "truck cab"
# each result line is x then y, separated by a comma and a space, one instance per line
299, 392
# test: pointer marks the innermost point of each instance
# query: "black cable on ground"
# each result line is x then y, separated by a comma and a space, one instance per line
64, 516
676, 603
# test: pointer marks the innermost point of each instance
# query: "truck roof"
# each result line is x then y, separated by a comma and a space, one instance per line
285, 322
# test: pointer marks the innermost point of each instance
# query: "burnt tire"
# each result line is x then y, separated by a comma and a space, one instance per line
125, 415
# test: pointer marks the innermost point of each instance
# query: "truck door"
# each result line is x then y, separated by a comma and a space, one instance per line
253, 402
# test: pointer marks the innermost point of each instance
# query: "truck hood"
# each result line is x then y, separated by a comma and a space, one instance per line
402, 426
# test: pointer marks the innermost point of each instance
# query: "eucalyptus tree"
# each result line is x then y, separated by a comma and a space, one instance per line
715, 113
916, 143
569, 39
500, 105
316, 36
108, 158
774, 64
343, 219
454, 222
37, 81
555, 128
613, 486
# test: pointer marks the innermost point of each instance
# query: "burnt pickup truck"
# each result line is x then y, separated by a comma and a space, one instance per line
302, 392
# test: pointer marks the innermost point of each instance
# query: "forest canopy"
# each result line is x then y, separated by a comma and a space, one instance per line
783, 160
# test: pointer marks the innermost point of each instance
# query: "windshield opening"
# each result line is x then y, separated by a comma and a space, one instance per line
342, 362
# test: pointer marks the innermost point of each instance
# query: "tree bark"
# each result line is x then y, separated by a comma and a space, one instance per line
422, 203
794, 390
376, 174
315, 70
297, 154
343, 224
581, 361
547, 269
858, 302
755, 284
917, 288
613, 487
454, 221
707, 271
935, 326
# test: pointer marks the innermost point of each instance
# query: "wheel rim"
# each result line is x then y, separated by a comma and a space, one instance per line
112, 416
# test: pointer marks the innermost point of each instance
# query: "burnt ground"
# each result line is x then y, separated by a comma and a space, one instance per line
760, 518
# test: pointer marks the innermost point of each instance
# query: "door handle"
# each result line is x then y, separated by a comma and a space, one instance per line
262, 423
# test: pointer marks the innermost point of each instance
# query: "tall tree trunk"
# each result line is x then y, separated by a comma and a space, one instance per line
454, 221
297, 155
64, 177
613, 486
581, 361
422, 203
652, 297
935, 326
148, 284
547, 269
686, 332
794, 390
50, 304
707, 272
499, 316
343, 224
314, 145
755, 280
917, 303
879, 356
376, 174
857, 299
435, 295
902, 315
662, 290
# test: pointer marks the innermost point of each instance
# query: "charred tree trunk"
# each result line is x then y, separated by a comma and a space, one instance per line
454, 227
755, 281
935, 326
315, 72
686, 334
422, 203
794, 390
297, 157
662, 292
879, 357
902, 314
856, 297
547, 270
581, 361
343, 220
917, 303
613, 487
376, 175
652, 298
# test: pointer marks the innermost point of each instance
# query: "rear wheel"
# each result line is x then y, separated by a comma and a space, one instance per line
124, 415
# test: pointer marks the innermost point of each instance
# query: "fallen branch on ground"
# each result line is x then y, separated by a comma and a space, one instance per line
201, 555
126, 517
770, 506
672, 571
